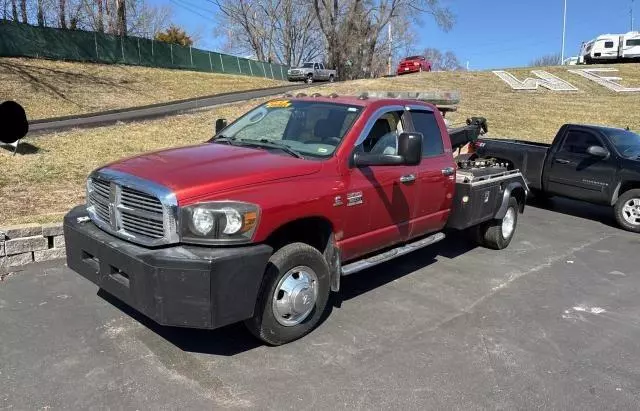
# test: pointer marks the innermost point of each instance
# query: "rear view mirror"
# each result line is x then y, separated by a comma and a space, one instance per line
410, 148
598, 151
409, 153
221, 123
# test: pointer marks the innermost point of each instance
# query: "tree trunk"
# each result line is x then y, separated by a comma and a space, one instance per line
100, 22
23, 11
62, 14
14, 10
40, 14
121, 17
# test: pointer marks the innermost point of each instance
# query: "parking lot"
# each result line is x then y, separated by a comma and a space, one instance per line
552, 322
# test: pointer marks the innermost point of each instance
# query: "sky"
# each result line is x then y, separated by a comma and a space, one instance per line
487, 34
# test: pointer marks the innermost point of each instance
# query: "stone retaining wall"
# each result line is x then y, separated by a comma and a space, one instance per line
23, 244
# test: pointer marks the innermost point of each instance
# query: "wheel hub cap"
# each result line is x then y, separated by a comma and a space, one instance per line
295, 296
631, 211
508, 223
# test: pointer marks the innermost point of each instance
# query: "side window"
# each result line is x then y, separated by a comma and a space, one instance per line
608, 44
425, 122
578, 141
633, 42
321, 66
316, 66
383, 135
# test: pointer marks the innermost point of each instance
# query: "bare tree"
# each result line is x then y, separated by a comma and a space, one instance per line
353, 28
283, 31
23, 11
447, 61
548, 60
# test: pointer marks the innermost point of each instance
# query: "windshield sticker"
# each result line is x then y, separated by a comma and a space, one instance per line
278, 104
352, 109
322, 150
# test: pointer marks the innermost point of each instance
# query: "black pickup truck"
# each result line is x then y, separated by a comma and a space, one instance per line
600, 165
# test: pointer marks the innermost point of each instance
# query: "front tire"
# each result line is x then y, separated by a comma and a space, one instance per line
627, 211
497, 234
309, 79
293, 295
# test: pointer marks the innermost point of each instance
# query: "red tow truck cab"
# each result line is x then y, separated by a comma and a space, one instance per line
413, 64
259, 223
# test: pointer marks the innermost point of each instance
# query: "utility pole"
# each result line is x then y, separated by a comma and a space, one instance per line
631, 12
564, 30
390, 49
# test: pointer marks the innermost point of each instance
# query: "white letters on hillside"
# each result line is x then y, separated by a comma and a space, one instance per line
608, 82
544, 79
554, 83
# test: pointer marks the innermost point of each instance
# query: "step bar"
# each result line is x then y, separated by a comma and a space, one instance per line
369, 262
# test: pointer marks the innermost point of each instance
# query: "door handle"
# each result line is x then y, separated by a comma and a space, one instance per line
448, 171
409, 178
562, 161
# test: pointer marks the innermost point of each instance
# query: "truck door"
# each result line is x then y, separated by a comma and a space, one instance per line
435, 176
317, 73
573, 172
379, 199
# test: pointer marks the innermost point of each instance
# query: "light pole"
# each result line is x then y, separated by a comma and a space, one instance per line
564, 30
631, 12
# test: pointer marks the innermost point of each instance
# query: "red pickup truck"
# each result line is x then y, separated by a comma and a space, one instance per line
260, 223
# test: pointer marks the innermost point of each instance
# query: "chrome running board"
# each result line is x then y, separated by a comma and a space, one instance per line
365, 263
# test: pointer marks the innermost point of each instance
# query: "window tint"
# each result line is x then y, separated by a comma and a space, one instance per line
425, 122
633, 42
577, 142
608, 44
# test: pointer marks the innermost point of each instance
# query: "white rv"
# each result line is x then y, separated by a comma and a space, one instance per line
611, 47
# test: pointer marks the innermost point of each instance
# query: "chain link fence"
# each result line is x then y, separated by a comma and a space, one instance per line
23, 40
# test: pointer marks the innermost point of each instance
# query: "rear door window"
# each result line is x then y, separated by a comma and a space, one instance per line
425, 122
578, 141
608, 45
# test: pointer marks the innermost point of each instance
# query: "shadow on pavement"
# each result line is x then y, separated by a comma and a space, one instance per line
575, 208
235, 339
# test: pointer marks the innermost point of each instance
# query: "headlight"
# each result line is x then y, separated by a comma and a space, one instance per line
219, 222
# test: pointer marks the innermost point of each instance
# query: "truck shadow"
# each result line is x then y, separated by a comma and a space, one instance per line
235, 339
575, 208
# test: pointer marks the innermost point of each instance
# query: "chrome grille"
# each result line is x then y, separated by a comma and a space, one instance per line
135, 214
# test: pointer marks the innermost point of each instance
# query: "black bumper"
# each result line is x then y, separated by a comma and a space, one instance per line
186, 286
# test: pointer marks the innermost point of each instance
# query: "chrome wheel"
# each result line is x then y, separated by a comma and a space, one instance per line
508, 223
295, 296
631, 211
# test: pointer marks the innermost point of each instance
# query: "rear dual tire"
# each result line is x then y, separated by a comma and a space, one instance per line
498, 233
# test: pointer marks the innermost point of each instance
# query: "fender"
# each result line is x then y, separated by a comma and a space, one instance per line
515, 189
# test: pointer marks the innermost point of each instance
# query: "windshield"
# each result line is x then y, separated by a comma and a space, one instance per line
309, 128
307, 65
627, 143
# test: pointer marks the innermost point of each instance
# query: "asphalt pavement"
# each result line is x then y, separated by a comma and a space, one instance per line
552, 322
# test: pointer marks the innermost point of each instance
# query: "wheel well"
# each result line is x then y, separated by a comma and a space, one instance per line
519, 195
314, 231
628, 185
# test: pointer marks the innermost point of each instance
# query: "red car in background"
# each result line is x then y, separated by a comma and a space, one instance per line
413, 64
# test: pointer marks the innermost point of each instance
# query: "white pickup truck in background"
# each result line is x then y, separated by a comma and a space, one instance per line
310, 72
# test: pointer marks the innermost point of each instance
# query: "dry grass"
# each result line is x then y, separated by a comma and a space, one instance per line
533, 115
56, 88
41, 187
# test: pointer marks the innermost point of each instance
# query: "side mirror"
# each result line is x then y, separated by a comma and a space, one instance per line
598, 151
409, 153
221, 123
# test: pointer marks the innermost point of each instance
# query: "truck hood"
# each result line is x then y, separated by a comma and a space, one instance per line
204, 169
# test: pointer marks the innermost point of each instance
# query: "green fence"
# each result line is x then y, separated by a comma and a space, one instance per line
23, 40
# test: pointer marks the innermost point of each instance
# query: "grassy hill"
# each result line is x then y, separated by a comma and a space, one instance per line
534, 115
43, 185
49, 88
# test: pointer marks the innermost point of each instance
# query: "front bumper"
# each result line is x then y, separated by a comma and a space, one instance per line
294, 77
185, 286
407, 70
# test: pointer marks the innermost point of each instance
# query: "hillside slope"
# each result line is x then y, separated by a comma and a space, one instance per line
534, 115
49, 88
